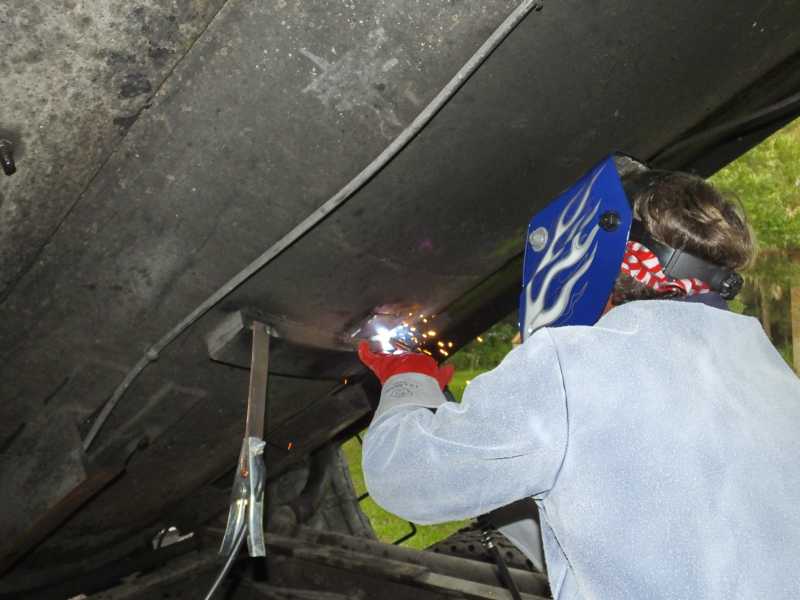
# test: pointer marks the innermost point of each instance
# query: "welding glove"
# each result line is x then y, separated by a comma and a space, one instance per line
386, 365
408, 379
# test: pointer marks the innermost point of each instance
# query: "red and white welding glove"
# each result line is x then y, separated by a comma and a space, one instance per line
408, 378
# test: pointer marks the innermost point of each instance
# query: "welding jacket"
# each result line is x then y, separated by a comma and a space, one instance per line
662, 447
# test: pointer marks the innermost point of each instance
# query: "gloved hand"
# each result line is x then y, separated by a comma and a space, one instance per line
386, 365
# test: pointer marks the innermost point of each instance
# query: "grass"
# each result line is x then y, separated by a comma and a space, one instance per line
460, 381
387, 526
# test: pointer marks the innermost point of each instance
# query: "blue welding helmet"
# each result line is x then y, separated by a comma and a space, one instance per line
574, 249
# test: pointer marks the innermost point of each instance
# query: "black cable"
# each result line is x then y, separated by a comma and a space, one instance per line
237, 547
487, 539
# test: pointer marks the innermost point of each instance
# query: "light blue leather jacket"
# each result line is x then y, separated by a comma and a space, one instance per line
662, 446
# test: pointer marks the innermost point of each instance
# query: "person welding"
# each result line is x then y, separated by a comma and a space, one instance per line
657, 432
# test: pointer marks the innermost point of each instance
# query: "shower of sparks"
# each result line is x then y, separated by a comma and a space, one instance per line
396, 336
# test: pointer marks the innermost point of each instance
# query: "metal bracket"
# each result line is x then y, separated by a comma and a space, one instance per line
246, 514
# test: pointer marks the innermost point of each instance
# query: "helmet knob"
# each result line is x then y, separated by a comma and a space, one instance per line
610, 221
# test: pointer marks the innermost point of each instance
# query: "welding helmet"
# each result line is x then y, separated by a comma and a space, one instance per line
575, 247
573, 252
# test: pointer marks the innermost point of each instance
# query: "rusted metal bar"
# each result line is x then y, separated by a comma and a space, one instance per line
55, 516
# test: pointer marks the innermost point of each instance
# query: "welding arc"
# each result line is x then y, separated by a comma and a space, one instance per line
334, 202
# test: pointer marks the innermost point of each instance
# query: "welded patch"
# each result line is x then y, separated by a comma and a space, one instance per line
357, 79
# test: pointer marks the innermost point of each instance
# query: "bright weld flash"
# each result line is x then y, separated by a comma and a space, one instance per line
384, 338
393, 340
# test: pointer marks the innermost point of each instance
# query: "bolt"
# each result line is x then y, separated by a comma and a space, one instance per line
7, 157
610, 221
538, 239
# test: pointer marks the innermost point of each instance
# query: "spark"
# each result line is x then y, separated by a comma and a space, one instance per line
443, 351
290, 446
449, 344
480, 339
440, 343
428, 352
432, 333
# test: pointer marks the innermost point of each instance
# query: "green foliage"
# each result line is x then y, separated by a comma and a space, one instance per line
767, 182
786, 352
460, 382
486, 354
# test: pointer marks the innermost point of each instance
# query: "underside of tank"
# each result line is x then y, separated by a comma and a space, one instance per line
161, 146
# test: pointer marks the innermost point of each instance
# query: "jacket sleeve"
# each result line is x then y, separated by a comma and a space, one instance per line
505, 440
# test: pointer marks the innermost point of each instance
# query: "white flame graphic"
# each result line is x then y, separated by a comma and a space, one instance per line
559, 257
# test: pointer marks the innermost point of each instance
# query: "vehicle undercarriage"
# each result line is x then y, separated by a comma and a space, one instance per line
163, 147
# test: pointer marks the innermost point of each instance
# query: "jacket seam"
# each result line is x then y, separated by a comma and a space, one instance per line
566, 417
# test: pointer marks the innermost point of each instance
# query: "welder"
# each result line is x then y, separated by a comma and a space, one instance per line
657, 431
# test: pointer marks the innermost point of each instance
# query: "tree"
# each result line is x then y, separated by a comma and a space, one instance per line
767, 182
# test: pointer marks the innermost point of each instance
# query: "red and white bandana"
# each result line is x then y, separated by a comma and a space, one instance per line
641, 264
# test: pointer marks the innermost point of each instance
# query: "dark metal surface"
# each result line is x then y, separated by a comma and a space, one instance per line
34, 501
314, 567
251, 123
471, 568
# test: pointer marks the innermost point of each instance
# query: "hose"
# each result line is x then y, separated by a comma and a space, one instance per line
487, 539
313, 219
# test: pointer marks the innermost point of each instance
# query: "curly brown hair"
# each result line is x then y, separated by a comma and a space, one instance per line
684, 211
